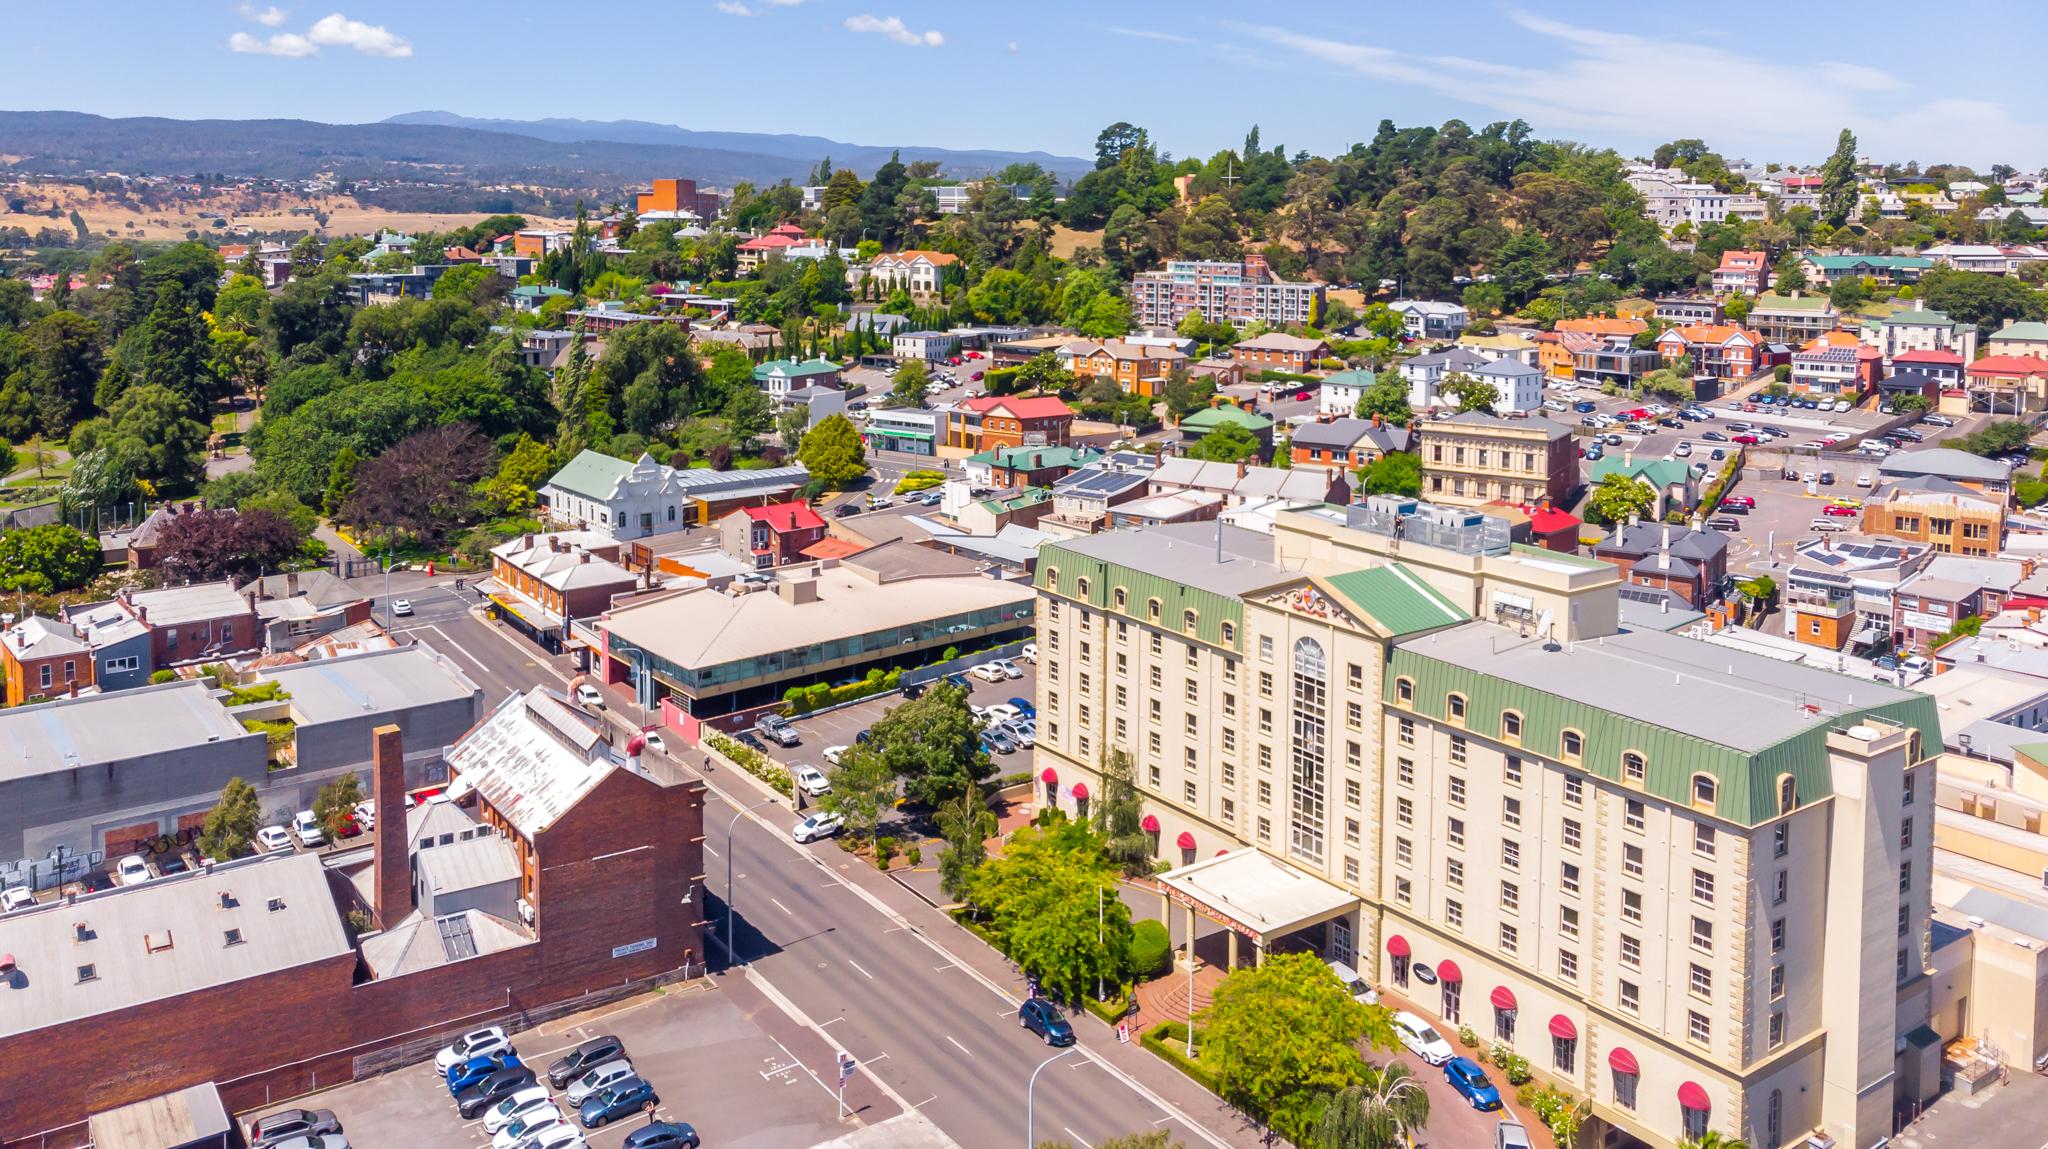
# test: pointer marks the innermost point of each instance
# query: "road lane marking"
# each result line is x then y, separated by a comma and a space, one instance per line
935, 1097
712, 852
823, 1024
937, 968
858, 970
780, 906
960, 1047
1077, 1137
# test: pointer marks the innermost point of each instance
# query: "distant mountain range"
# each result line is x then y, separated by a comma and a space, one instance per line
862, 158
443, 146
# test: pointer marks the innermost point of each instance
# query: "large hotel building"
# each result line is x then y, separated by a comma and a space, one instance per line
1240, 294
1689, 884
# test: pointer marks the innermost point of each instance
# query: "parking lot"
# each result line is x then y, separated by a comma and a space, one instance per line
712, 1067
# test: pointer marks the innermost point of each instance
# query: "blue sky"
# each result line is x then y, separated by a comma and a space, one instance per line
1764, 81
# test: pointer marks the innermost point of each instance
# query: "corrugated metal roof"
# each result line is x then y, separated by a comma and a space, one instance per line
1395, 598
484, 860
532, 759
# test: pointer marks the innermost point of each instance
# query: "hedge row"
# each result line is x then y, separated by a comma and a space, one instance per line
1169, 1040
804, 699
753, 762
1108, 1012
1271, 376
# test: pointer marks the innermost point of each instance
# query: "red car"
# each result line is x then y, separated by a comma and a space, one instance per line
1839, 511
1747, 440
1739, 501
1633, 416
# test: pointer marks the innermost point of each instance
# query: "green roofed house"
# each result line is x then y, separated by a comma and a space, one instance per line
1021, 508
1026, 466
1387, 734
1887, 270
529, 297
1201, 423
2021, 338
778, 377
1676, 483
1796, 319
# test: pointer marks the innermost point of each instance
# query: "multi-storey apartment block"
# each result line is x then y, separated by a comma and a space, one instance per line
1687, 883
1236, 293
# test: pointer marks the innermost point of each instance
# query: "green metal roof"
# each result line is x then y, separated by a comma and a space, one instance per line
1656, 472
2028, 331
1215, 417
1845, 262
1028, 497
1212, 608
1035, 458
1355, 377
1397, 599
1768, 301
1907, 317
591, 475
795, 368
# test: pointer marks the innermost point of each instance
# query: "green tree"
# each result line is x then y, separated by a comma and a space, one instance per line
933, 743
1384, 1111
1228, 443
967, 824
907, 390
335, 804
173, 350
1998, 437
1791, 274
64, 363
1185, 396
1041, 899
341, 480
1282, 1035
465, 282
1395, 473
1713, 1139
833, 452
862, 789
1120, 814
1758, 590
149, 433
1387, 398
1838, 182
1618, 496
1471, 394
750, 414
230, 827
1107, 317
1847, 293
1486, 300
1042, 372
46, 559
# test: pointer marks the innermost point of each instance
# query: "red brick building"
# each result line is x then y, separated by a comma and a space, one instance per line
1719, 351
1276, 351
987, 422
105, 1008
771, 536
45, 658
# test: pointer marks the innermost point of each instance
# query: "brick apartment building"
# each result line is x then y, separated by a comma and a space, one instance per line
1748, 272
1718, 351
987, 422
771, 536
677, 196
1240, 294
202, 622
1277, 351
1137, 368
246, 970
1950, 518
1690, 564
44, 658
566, 574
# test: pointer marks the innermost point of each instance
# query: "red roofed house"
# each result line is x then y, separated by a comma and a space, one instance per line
916, 271
2008, 384
759, 248
987, 422
1718, 350
1748, 272
770, 536
1549, 527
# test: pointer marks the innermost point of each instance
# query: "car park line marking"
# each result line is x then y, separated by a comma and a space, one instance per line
960, 1047
935, 1097
1077, 1137
712, 852
858, 970
823, 1024
780, 906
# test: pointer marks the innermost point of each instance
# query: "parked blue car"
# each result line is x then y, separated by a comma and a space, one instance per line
1471, 1083
464, 1074
1024, 707
629, 1096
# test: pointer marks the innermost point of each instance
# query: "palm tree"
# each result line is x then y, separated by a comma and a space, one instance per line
1383, 1111
1713, 1139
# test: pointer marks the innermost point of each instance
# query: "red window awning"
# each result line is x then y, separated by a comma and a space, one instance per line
1692, 1095
1080, 791
1397, 946
1562, 1027
1447, 970
1186, 841
1049, 776
1622, 1061
1150, 825
1503, 997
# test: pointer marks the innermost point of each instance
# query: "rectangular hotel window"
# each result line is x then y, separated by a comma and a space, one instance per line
1628, 997
1187, 792
1457, 750
1457, 791
1265, 829
1354, 715
1511, 811
1454, 831
1511, 854
1454, 914
1354, 676
1404, 732
1454, 873
1571, 834
1632, 815
1568, 877
1514, 770
1631, 905
1351, 869
1510, 937
1632, 861
1404, 891
1511, 897
1265, 793
1574, 790
1631, 952
1778, 935
1353, 792
1703, 935
1404, 852
1568, 921
1404, 811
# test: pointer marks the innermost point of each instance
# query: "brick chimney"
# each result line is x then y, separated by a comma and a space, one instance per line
393, 885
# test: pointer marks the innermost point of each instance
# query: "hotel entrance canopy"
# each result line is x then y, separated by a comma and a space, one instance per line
1256, 895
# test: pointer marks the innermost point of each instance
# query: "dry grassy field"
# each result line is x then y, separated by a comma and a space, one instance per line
264, 214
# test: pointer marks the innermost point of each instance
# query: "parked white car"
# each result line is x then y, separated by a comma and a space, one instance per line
1009, 668
1000, 713
132, 870
476, 1043
1421, 1039
987, 672
811, 781
816, 826
16, 898
525, 1101
1030, 652
589, 696
306, 828
833, 754
274, 838
366, 815
529, 1125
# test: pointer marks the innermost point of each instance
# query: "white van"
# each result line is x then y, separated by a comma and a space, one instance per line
1354, 985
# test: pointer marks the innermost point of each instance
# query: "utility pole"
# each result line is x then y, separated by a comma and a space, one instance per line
729, 852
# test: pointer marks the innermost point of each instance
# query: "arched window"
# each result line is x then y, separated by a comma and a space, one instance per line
1052, 579
1788, 793
1913, 748
1511, 725
1152, 609
1454, 705
1571, 744
1121, 597
1188, 619
1705, 789
1307, 781
1081, 587
1228, 633
1404, 691
1633, 767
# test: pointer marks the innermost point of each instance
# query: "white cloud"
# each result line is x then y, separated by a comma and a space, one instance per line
289, 44
894, 28
1013, 47
734, 8
1615, 86
338, 31
269, 17
1149, 34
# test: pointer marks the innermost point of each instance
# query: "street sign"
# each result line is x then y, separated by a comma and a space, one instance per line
1123, 1032
846, 1067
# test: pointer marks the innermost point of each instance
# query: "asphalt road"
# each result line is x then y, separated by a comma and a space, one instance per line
943, 1039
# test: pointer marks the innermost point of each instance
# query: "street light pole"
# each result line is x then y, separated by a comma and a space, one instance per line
1191, 983
1098, 942
729, 852
1032, 1088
